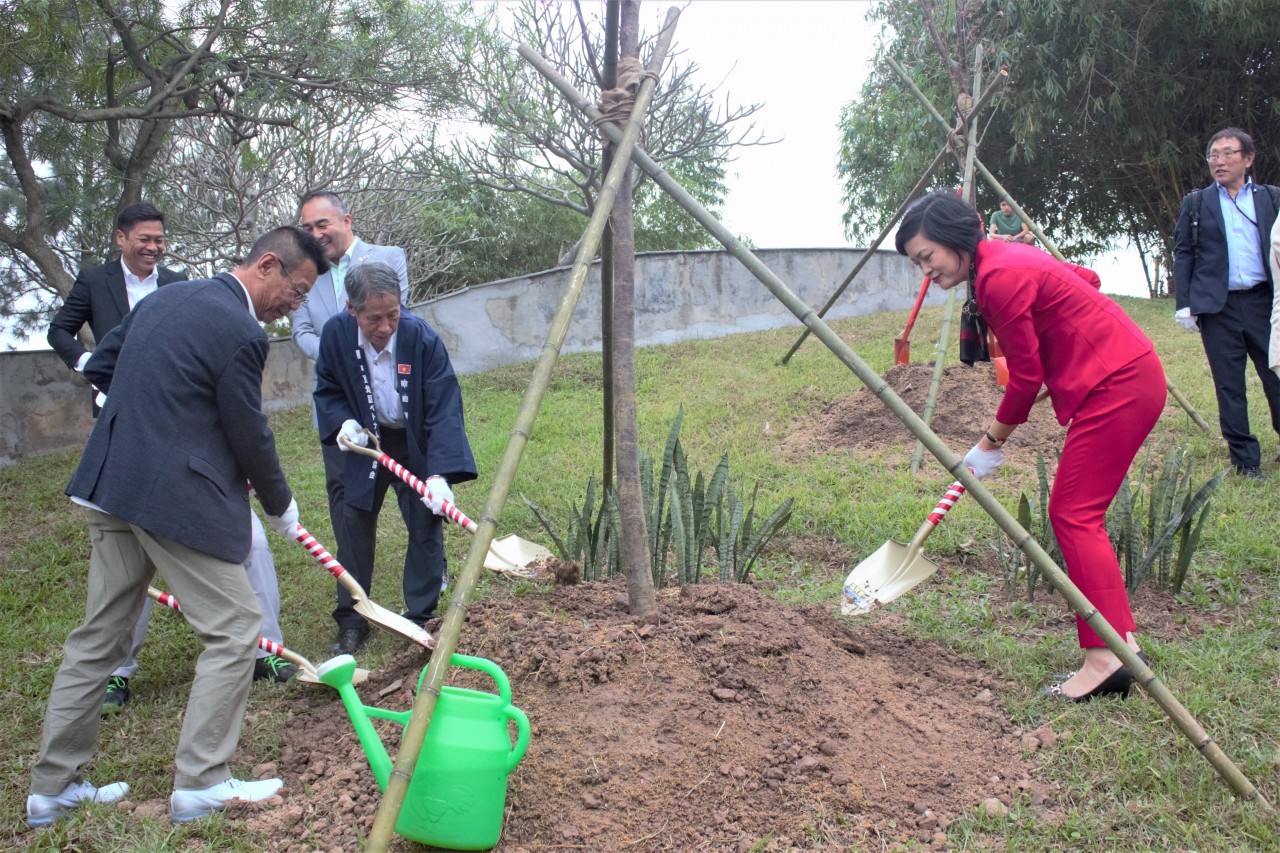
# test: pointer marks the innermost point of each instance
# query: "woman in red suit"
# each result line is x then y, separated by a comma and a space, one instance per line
1104, 379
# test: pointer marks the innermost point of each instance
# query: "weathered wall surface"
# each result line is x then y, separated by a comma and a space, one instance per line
44, 407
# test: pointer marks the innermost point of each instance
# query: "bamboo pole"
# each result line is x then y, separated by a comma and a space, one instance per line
870, 251
968, 193
902, 208
610, 74
1035, 229
447, 641
1180, 716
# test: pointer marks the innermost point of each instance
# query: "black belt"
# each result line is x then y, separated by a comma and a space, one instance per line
1248, 289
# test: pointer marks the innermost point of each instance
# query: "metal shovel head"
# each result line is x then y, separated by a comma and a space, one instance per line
513, 554
882, 577
358, 677
901, 351
393, 622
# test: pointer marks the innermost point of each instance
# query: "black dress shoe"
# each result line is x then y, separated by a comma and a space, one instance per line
1117, 683
420, 621
1060, 677
350, 640
1251, 472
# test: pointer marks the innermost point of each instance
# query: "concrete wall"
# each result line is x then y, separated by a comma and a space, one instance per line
44, 407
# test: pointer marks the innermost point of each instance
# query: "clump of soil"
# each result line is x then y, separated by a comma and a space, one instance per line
966, 403
726, 720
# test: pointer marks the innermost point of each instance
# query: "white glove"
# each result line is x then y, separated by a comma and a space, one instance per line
983, 462
438, 492
286, 523
352, 432
84, 358
1186, 319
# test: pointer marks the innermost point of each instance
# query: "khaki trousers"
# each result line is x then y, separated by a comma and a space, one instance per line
218, 604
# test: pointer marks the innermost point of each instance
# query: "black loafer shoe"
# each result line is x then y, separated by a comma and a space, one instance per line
1117, 683
350, 640
1060, 677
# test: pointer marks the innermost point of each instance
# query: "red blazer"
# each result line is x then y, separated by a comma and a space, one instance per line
1054, 325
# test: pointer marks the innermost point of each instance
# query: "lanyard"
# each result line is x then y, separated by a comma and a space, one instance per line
368, 396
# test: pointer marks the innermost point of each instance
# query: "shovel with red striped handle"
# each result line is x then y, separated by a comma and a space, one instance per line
306, 669
366, 607
509, 554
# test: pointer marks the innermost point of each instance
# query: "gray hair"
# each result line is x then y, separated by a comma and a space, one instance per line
367, 281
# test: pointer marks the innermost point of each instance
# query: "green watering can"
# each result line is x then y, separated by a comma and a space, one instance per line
458, 792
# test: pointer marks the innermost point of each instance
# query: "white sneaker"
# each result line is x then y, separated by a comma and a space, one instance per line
193, 804
43, 810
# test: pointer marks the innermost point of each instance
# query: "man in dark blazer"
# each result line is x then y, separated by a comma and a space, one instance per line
165, 477
385, 370
1223, 286
101, 296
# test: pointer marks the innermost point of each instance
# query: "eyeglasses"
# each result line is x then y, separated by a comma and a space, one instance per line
299, 292
1224, 154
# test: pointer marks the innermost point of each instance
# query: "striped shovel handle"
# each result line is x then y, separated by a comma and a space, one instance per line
271, 647
451, 512
330, 563
948, 501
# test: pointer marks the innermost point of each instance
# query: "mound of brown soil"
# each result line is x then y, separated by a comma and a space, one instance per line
966, 403
727, 719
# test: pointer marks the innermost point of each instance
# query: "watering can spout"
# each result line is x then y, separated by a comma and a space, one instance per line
338, 673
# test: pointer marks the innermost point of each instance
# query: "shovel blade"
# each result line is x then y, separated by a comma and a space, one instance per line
358, 677
901, 351
882, 577
393, 622
512, 554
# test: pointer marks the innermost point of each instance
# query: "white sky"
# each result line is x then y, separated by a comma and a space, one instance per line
803, 60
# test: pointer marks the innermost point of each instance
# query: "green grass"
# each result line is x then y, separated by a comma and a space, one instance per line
1128, 780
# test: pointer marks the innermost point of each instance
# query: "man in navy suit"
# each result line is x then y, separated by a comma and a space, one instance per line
387, 371
165, 478
1223, 287
102, 295
323, 215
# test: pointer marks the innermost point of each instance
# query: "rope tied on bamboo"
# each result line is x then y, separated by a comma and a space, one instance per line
616, 104
956, 140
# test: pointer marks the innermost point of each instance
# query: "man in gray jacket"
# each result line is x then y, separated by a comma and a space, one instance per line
165, 477
324, 216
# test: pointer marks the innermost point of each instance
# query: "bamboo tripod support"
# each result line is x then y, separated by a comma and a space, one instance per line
1180, 716
447, 641
902, 208
1035, 229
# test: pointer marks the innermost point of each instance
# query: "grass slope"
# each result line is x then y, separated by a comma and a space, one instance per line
1129, 781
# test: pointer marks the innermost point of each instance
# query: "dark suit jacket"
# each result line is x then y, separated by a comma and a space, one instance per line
183, 430
98, 298
1200, 273
429, 392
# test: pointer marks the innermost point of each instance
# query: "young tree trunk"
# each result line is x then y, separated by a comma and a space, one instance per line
635, 538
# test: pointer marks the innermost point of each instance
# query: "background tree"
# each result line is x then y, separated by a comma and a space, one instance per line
90, 93
530, 142
1102, 127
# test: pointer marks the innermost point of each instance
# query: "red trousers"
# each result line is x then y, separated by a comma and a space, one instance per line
1105, 435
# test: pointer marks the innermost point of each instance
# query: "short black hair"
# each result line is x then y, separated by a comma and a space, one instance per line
323, 193
292, 245
941, 216
141, 211
1246, 141
365, 281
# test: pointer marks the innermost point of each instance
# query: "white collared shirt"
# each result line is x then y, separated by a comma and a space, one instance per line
387, 402
137, 288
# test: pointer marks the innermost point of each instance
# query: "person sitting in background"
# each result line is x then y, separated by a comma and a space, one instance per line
1008, 226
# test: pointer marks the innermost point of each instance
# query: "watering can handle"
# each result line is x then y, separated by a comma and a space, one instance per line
522, 736
482, 665
954, 492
